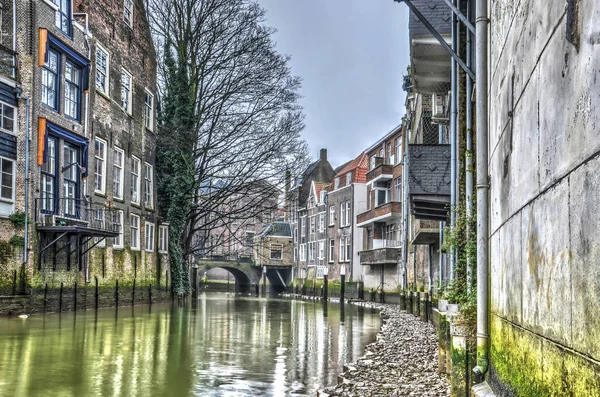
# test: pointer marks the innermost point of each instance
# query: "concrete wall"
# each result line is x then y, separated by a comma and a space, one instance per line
544, 147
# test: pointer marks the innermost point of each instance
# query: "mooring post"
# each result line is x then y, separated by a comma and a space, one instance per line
14, 292
45, 296
133, 293
75, 296
195, 281
96, 292
264, 286
325, 283
343, 285
117, 292
150, 294
60, 294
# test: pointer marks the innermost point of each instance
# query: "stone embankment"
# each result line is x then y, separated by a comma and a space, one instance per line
402, 362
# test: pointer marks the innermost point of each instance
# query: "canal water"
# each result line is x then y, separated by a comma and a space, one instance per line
219, 345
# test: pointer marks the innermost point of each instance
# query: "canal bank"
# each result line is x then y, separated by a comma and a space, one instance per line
402, 362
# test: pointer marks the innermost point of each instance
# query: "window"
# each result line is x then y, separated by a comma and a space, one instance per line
303, 252
135, 180
331, 215
331, 250
348, 250
276, 252
63, 15
102, 65
336, 183
119, 158
349, 178
134, 222
72, 90
249, 242
148, 185
348, 213
322, 222
149, 237
117, 220
7, 183
126, 91
390, 236
320, 271
322, 195
70, 179
398, 192
50, 80
49, 178
342, 214
128, 12
149, 110
372, 163
312, 225
311, 251
295, 253
398, 150
321, 249
100, 155
389, 153
163, 239
303, 226
7, 117
342, 249
99, 224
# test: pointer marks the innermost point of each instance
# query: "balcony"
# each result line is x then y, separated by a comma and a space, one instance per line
380, 256
67, 213
380, 172
387, 212
429, 181
8, 62
425, 232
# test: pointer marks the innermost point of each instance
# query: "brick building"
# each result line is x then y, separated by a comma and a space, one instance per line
382, 221
346, 198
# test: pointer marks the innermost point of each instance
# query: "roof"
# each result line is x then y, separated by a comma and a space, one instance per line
319, 187
361, 161
341, 167
280, 229
437, 13
387, 136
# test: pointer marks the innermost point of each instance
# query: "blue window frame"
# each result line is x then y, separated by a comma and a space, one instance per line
72, 90
50, 73
63, 16
49, 172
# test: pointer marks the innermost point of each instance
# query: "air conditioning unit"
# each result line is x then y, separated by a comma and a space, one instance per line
438, 107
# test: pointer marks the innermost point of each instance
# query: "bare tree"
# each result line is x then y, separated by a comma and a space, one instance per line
229, 115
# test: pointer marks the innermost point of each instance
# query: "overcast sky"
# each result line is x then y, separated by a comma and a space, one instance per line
351, 55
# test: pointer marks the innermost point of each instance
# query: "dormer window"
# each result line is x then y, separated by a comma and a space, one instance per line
336, 183
348, 178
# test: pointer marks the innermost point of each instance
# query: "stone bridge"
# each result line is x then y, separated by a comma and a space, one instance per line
247, 276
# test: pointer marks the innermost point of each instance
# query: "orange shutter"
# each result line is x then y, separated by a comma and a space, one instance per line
41, 140
43, 45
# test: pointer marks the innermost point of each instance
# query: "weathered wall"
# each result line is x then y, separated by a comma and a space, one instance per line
544, 147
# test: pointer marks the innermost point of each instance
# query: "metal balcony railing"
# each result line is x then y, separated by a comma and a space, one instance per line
50, 211
8, 62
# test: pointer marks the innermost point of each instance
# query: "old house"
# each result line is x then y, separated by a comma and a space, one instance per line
346, 198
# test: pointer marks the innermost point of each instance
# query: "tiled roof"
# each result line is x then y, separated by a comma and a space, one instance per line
437, 13
358, 166
319, 187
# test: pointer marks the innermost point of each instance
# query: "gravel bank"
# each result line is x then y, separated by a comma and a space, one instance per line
402, 362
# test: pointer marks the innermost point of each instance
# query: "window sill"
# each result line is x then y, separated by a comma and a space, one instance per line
103, 94
149, 251
149, 209
118, 200
136, 205
150, 130
99, 194
118, 248
135, 249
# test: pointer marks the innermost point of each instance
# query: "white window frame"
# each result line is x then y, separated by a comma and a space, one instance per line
130, 9
348, 178
320, 272
118, 241
302, 253
99, 223
148, 186
321, 221
303, 226
313, 225
105, 88
331, 250
15, 118
348, 214
398, 150
336, 183
342, 214
280, 250
118, 171
102, 189
348, 251
331, 215
148, 110
311, 251
342, 249
163, 239
129, 106
149, 236
7, 205
136, 186
135, 242
321, 252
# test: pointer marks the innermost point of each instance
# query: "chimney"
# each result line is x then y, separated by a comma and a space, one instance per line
323, 156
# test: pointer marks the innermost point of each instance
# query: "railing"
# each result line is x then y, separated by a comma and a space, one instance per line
50, 211
380, 256
379, 170
8, 62
391, 207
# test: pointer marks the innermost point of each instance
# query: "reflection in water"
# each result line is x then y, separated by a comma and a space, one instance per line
220, 345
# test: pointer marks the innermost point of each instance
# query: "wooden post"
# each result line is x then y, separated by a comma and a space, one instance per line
133, 294
45, 296
60, 298
150, 294
117, 292
14, 292
96, 292
75, 296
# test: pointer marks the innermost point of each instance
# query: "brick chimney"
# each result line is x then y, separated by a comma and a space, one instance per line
323, 155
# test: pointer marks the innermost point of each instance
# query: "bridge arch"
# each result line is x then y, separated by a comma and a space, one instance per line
246, 275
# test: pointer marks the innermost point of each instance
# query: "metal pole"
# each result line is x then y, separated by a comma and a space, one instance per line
481, 51
453, 114
469, 153
343, 285
325, 277
405, 210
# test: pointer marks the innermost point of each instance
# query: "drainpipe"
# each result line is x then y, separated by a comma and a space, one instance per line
26, 231
481, 86
405, 210
453, 114
469, 151
440, 274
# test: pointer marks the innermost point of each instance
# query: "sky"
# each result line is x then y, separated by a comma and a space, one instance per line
351, 56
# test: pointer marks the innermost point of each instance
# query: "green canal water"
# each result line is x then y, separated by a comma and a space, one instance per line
219, 345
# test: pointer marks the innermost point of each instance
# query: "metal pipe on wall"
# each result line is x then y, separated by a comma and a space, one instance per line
481, 86
469, 150
405, 210
453, 140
